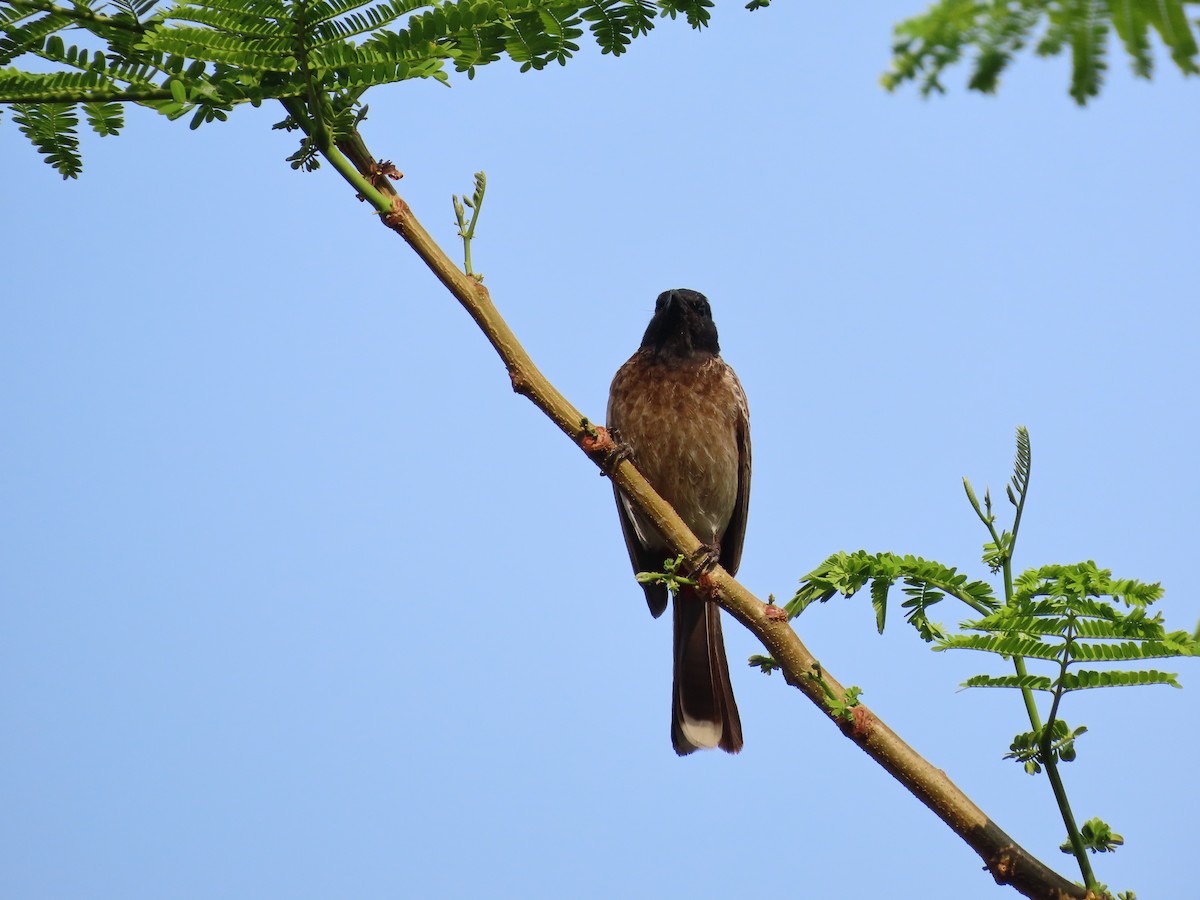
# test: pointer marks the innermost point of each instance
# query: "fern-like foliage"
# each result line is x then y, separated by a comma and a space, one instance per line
994, 33
205, 57
1067, 615
51, 127
1063, 615
1083, 628
925, 583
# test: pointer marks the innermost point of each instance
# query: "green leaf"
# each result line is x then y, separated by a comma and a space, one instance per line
1009, 645
996, 553
1088, 31
105, 118
1030, 682
926, 583
17, 40
927, 45
921, 596
695, 11
51, 127
841, 573
1055, 741
765, 664
1126, 650
1067, 615
879, 595
1170, 21
1087, 678
844, 708
205, 57
1097, 836
1019, 483
671, 575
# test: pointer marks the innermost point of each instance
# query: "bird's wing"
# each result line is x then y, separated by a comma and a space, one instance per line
735, 532
642, 559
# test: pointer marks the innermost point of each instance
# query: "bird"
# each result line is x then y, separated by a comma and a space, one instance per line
677, 408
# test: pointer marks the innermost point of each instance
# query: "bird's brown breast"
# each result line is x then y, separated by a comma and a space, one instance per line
682, 420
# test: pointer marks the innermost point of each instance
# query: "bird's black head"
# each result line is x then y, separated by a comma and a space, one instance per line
682, 326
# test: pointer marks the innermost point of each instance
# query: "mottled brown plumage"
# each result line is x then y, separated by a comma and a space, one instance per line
681, 411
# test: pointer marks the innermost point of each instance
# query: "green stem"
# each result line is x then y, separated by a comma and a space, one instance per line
1035, 718
465, 230
1069, 635
345, 168
1056, 783
1046, 743
1048, 760
365, 189
981, 608
319, 127
90, 95
819, 677
1064, 806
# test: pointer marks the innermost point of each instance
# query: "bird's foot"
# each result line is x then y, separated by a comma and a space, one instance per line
703, 560
604, 445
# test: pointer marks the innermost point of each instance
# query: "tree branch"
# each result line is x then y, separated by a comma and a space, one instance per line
88, 95
1002, 856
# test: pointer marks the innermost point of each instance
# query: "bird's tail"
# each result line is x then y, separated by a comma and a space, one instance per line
703, 712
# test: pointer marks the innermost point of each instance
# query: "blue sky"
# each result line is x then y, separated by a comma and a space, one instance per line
298, 599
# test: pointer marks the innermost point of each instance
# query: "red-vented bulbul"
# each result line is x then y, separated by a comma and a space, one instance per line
681, 411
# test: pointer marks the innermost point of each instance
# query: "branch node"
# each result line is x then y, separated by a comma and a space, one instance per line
378, 174
395, 218
603, 446
861, 724
381, 171
520, 384
1002, 865
596, 440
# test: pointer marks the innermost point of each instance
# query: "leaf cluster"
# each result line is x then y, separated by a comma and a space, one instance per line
1058, 615
1056, 740
994, 33
924, 581
1068, 615
1077, 621
843, 707
204, 57
1098, 837
672, 576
